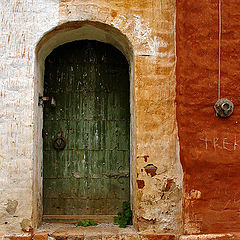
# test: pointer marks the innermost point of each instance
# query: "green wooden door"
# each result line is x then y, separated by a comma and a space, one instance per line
90, 176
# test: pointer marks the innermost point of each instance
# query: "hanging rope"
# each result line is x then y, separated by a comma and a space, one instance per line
224, 106
219, 50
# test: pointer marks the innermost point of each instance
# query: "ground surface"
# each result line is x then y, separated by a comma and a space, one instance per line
72, 228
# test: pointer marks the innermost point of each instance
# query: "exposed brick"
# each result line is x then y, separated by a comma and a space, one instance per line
40, 236
93, 237
140, 184
20, 238
59, 235
157, 237
75, 236
211, 237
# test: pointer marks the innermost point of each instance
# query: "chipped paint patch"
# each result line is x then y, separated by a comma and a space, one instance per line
150, 169
140, 184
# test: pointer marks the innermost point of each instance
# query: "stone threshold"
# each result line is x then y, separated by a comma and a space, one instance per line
63, 235
58, 231
103, 231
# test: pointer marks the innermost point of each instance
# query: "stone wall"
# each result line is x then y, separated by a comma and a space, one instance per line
22, 24
149, 27
145, 32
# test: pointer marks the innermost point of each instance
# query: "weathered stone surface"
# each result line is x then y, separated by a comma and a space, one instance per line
59, 235
157, 237
41, 236
11, 206
22, 24
102, 236
211, 237
18, 238
75, 236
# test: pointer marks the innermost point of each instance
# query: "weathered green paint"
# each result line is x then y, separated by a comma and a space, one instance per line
90, 82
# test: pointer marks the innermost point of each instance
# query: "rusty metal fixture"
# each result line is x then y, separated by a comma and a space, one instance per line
43, 99
59, 143
224, 108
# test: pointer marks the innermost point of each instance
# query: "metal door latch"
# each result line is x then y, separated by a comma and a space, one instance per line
224, 108
59, 143
43, 99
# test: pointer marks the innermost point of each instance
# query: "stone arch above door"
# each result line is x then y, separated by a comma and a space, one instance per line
80, 30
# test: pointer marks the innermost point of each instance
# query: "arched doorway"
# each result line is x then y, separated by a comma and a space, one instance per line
90, 82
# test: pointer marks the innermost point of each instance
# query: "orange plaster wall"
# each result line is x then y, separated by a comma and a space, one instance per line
209, 146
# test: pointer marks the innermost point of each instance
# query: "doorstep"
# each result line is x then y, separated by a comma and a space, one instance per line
58, 231
103, 231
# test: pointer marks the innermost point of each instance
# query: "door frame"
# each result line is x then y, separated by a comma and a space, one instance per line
68, 32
